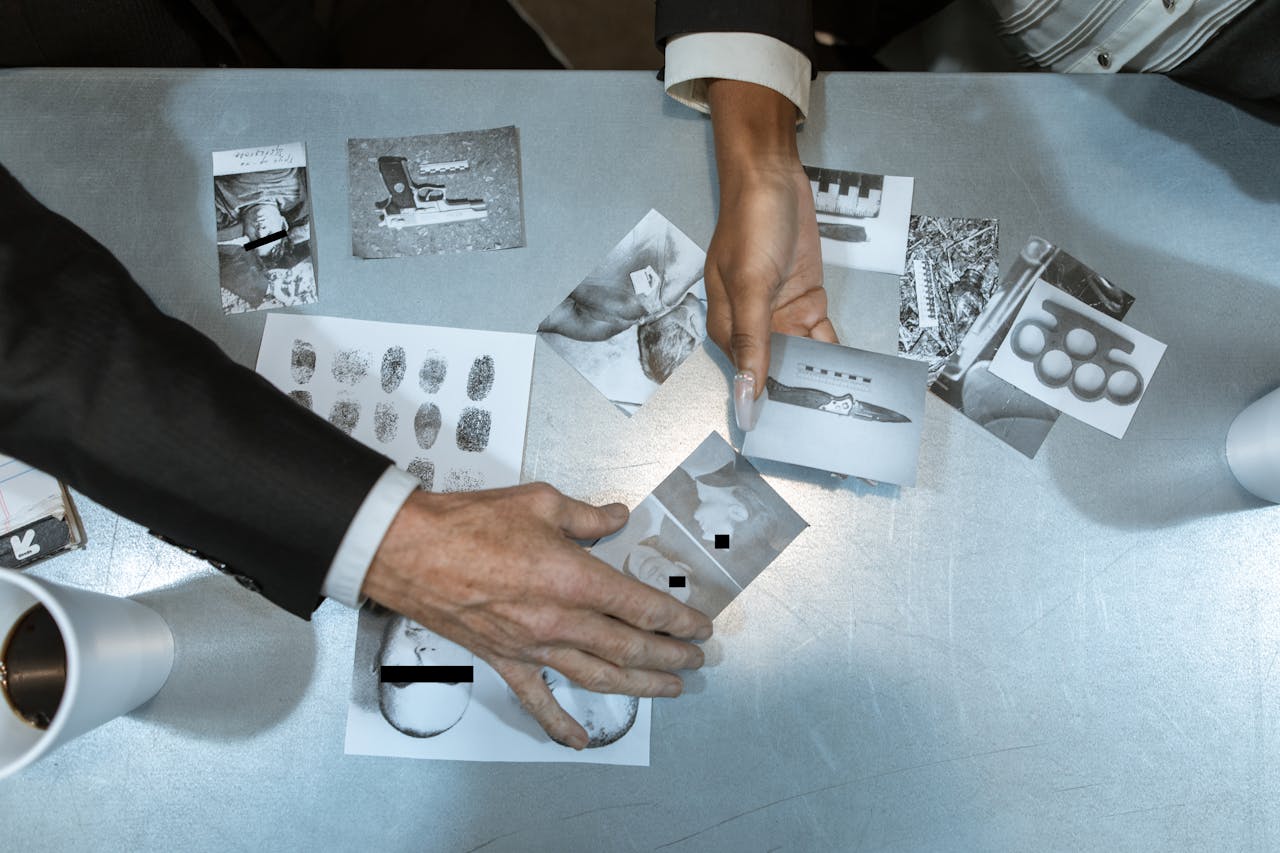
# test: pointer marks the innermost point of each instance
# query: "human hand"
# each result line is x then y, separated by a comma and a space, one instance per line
764, 264
499, 573
595, 312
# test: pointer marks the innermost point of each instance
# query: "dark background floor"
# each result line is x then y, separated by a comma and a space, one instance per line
597, 34
619, 34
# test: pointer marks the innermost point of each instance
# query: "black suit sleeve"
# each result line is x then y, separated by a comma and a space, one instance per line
790, 21
147, 416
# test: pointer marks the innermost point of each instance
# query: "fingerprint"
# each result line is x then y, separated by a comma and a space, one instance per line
392, 369
302, 398
463, 480
473, 429
431, 376
345, 414
350, 366
385, 421
480, 379
302, 361
424, 471
426, 425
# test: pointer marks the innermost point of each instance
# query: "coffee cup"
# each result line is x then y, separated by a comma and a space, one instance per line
73, 659
1253, 447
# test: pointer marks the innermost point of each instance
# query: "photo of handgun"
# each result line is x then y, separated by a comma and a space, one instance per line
413, 203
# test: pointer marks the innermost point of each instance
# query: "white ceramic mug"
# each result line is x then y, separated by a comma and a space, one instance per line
1253, 447
119, 654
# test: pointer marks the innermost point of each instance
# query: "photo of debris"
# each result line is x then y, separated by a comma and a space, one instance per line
952, 270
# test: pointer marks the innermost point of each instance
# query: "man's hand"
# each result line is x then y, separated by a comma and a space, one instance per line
497, 572
764, 265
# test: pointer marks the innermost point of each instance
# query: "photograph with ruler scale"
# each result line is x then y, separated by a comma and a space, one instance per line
862, 218
446, 192
952, 270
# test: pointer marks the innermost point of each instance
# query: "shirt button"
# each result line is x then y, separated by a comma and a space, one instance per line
1104, 59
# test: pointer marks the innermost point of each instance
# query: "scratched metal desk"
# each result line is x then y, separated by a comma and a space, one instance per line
1073, 652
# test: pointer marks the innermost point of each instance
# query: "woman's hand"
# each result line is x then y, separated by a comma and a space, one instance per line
764, 265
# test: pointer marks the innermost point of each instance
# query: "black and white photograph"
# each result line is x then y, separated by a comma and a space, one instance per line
420, 709
952, 270
419, 714
862, 218
840, 409
655, 549
637, 316
966, 381
720, 500
262, 207
446, 405
1077, 359
427, 195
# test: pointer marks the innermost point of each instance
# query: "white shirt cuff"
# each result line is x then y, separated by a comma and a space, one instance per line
695, 58
355, 553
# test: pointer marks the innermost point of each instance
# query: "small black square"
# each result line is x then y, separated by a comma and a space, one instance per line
676, 581
722, 541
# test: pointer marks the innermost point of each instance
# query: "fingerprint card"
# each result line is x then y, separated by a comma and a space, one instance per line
447, 405
262, 205
1077, 359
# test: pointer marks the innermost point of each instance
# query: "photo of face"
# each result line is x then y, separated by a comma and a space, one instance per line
717, 492
477, 720
423, 709
719, 510
653, 548
605, 716
262, 220
649, 565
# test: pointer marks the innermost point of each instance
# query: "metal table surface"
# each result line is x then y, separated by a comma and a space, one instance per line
1076, 651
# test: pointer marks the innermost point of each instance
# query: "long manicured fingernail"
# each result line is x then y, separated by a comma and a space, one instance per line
745, 406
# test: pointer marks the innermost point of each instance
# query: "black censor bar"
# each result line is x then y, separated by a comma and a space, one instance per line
426, 674
722, 541
262, 241
677, 581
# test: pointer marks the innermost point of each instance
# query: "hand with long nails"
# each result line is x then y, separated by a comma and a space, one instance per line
764, 264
